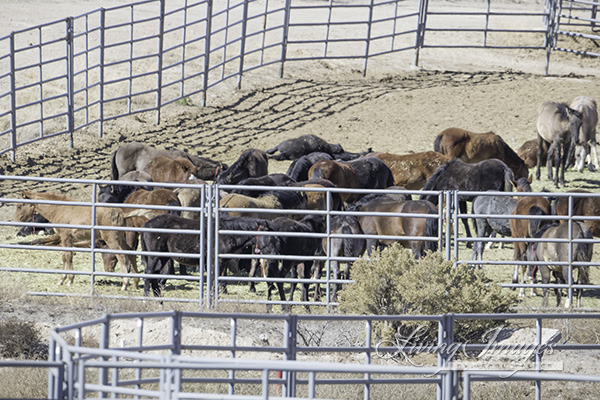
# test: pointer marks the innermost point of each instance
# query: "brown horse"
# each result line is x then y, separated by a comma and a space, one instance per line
190, 197
165, 169
317, 200
529, 152
135, 156
363, 173
474, 147
411, 171
560, 251
398, 225
521, 228
582, 206
79, 215
277, 200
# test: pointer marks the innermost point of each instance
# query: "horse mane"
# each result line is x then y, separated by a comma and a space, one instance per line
437, 144
299, 165
509, 153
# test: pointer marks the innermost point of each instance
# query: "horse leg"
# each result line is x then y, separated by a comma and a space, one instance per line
252, 273
462, 206
67, 260
557, 160
593, 156
545, 272
540, 150
551, 153
306, 272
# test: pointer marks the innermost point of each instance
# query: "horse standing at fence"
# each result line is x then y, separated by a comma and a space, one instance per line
558, 126
475, 147
301, 246
411, 171
525, 228
559, 251
363, 173
398, 225
79, 215
165, 169
490, 174
494, 206
134, 156
582, 206
587, 133
252, 163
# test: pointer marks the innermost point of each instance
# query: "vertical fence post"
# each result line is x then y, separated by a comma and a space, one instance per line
420, 31
210, 248
203, 241
550, 31
70, 81
243, 43
159, 61
368, 44
13, 100
285, 34
101, 72
207, 37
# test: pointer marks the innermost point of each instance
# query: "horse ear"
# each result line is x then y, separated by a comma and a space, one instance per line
530, 179
26, 194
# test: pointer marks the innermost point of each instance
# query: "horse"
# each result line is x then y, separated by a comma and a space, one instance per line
41, 227
474, 147
559, 251
298, 169
341, 247
252, 163
180, 242
363, 173
557, 125
79, 215
529, 152
398, 225
301, 246
522, 228
411, 171
317, 200
587, 133
190, 197
134, 156
582, 206
265, 180
292, 149
171, 170
491, 174
494, 206
275, 200
117, 193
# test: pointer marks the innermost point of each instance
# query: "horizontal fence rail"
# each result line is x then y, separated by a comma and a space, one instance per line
293, 363
66, 76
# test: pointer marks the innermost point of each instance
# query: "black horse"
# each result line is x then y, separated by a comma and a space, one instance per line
265, 180
180, 242
302, 246
252, 163
491, 174
298, 169
292, 149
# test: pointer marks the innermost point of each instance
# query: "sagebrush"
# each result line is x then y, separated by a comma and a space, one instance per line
392, 282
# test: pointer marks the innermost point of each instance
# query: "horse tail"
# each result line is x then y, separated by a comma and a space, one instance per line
437, 144
534, 223
431, 230
348, 242
113, 166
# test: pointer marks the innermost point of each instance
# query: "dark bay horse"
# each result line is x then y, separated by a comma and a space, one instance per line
265, 180
559, 251
134, 156
188, 243
490, 174
299, 168
79, 215
301, 246
587, 133
582, 206
398, 225
525, 228
411, 171
474, 147
558, 126
529, 152
292, 149
251, 163
363, 173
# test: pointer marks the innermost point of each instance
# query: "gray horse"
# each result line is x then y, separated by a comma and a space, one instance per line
557, 125
587, 133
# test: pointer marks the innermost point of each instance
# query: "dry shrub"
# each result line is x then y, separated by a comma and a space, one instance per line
20, 339
392, 282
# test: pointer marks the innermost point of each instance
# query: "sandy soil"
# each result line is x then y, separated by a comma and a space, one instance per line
395, 108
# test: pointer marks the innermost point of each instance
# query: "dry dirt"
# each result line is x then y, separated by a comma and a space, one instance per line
395, 108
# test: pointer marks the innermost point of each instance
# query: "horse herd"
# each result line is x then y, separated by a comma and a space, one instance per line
460, 160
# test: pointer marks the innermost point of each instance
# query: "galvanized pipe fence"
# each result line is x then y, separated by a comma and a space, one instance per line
209, 278
185, 362
72, 75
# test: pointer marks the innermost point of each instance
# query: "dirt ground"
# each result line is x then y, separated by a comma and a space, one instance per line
396, 108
